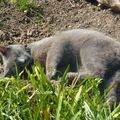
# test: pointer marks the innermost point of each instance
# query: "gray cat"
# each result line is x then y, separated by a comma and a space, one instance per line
87, 52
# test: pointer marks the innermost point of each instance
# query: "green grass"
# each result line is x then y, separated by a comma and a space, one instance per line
40, 99
29, 7
24, 5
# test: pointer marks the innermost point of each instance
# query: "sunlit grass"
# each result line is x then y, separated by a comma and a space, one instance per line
40, 99
29, 7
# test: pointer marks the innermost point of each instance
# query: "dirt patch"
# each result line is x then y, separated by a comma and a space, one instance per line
56, 15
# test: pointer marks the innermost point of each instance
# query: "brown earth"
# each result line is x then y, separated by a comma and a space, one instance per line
53, 16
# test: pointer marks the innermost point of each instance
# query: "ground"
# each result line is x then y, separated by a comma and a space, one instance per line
52, 16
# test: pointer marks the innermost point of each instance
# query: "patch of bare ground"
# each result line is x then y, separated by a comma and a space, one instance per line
55, 15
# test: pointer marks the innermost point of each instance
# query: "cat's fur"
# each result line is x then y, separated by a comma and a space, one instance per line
87, 52
114, 4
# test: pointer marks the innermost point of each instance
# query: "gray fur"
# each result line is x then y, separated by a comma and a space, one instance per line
114, 4
87, 52
15, 56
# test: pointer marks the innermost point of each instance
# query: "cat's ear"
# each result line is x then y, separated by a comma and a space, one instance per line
4, 50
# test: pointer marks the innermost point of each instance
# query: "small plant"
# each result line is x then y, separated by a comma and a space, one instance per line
29, 7
24, 5
40, 99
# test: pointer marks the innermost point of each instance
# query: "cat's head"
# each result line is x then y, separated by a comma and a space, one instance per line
15, 58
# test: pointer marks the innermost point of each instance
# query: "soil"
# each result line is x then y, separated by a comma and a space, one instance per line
52, 16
